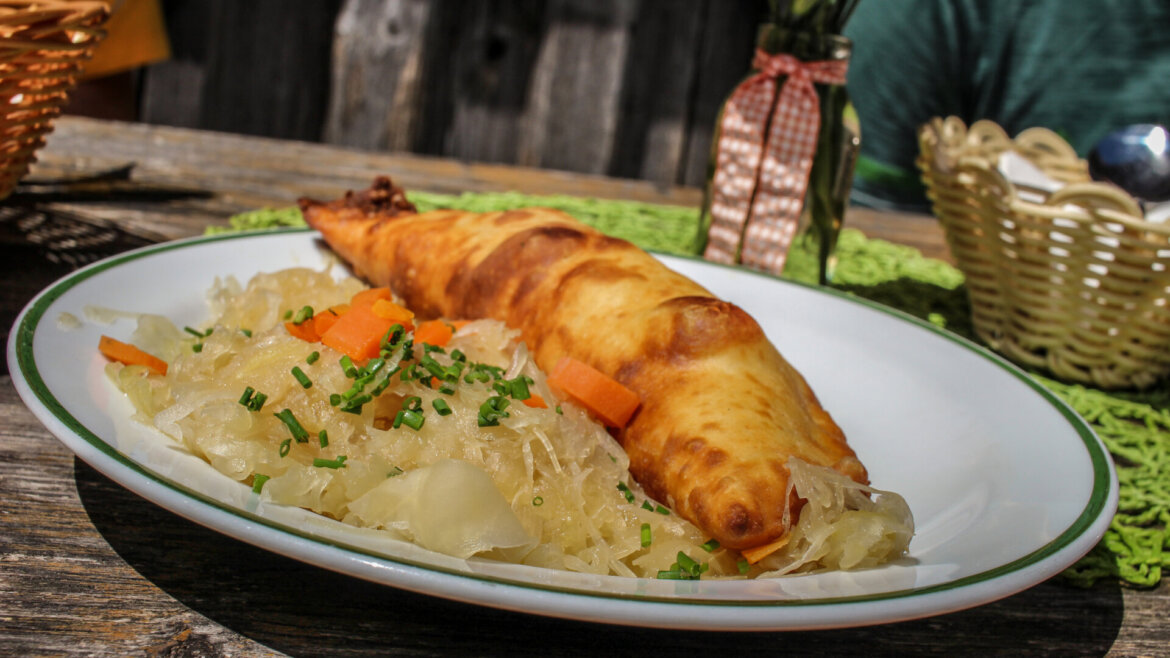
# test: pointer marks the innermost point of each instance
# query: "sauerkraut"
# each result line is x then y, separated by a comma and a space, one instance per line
544, 485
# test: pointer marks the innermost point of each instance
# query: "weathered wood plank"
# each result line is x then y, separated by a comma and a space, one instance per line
258, 68
572, 111
659, 79
626, 88
232, 173
375, 101
479, 84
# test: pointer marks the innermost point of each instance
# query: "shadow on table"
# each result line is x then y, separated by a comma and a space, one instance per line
37, 247
303, 610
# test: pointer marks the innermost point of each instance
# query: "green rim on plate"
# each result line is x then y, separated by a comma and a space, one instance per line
25, 335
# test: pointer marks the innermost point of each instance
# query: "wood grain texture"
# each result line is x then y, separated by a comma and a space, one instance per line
258, 67
624, 88
183, 180
88, 568
375, 100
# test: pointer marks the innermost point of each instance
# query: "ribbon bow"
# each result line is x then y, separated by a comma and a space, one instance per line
766, 148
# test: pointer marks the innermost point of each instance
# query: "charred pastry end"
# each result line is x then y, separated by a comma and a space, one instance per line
383, 198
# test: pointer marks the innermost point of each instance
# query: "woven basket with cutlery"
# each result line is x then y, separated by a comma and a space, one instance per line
1068, 275
43, 46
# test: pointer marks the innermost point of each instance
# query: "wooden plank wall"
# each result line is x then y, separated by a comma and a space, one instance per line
627, 88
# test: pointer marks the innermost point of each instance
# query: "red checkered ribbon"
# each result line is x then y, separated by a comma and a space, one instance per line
758, 190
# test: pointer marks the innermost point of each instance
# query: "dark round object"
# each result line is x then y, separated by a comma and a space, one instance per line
1136, 159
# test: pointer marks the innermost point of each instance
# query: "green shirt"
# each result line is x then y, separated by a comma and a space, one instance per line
1080, 67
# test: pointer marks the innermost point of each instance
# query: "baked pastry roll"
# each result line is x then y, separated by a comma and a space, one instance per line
721, 411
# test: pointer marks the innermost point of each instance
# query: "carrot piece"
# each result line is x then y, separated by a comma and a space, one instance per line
370, 295
535, 401
601, 394
358, 333
757, 553
323, 320
306, 331
115, 350
397, 314
434, 332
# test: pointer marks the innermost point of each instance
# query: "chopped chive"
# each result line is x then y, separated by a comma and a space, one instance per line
398, 419
662, 510
412, 419
329, 463
194, 332
432, 366
621, 486
334, 399
323, 437
456, 355
258, 481
302, 315
285, 446
412, 403
559, 411
395, 472
611, 457
446, 389
646, 539
685, 563
294, 426
288, 314
252, 400
519, 387
301, 377
355, 405
646, 505
312, 358
374, 365
441, 406
382, 384
197, 348
392, 338
743, 565
348, 367
673, 574
710, 546
492, 410
246, 332
538, 501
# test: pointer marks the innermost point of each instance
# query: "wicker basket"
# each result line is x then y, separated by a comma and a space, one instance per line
43, 46
1076, 281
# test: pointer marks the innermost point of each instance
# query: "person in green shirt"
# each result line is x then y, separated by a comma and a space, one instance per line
1082, 68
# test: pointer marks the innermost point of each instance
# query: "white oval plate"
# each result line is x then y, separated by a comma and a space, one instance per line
1007, 484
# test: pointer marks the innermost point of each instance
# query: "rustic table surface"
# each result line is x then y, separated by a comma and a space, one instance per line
87, 567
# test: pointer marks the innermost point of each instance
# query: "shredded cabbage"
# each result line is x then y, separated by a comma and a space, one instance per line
541, 488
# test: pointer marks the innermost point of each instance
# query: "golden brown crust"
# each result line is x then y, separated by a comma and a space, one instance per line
721, 410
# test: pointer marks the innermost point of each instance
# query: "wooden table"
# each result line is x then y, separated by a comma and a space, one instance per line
87, 567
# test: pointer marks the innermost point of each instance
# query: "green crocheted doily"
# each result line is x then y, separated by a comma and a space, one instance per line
1134, 426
